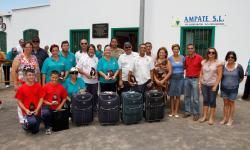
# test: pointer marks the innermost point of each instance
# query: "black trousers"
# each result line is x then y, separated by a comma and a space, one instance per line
108, 87
247, 88
6, 70
126, 88
93, 89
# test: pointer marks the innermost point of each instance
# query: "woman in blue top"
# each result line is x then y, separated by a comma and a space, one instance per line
108, 69
74, 84
55, 62
232, 75
176, 80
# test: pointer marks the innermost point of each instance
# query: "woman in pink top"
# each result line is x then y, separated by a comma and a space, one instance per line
210, 77
24, 60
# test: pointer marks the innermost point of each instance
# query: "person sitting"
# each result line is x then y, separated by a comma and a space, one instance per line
74, 84
30, 98
54, 99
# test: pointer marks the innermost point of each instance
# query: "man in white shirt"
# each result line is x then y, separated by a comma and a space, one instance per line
125, 61
83, 51
87, 68
142, 69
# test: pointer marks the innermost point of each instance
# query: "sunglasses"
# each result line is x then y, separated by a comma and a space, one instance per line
211, 52
190, 48
74, 72
36, 41
128, 47
84, 43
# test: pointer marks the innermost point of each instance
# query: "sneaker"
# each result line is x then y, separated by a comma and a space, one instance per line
7, 86
186, 115
48, 131
196, 117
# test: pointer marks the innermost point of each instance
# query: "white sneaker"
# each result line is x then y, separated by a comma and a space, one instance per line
7, 86
48, 131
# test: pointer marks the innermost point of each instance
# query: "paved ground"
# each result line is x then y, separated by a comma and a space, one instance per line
170, 133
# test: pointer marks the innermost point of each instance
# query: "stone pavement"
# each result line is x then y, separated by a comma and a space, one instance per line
169, 134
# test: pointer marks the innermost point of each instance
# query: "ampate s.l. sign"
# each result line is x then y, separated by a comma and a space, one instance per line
215, 20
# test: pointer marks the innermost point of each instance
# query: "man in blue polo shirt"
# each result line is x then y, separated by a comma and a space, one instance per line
69, 56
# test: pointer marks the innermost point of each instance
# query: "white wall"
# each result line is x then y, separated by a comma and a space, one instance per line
55, 21
234, 36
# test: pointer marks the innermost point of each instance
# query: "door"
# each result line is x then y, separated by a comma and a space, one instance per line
76, 36
29, 34
126, 34
3, 41
201, 37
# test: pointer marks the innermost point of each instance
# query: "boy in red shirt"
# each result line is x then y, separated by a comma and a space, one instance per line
30, 98
54, 99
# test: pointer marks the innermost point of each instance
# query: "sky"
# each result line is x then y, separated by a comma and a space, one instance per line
7, 5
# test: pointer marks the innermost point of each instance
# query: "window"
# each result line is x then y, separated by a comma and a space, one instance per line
29, 34
75, 38
201, 37
3, 41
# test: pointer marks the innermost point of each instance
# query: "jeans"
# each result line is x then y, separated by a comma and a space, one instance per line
93, 89
209, 96
32, 124
191, 96
46, 115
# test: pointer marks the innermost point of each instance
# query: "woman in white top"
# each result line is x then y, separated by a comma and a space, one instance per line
87, 69
210, 77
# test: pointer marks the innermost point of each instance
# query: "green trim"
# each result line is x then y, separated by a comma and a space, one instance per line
76, 30
3, 42
213, 36
182, 35
113, 30
181, 41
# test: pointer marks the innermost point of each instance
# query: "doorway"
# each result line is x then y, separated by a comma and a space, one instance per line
126, 34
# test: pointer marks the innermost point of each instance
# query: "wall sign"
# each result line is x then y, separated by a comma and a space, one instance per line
100, 30
215, 20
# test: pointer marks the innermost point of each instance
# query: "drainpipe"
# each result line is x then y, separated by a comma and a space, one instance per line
141, 23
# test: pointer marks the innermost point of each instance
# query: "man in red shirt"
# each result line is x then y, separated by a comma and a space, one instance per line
191, 84
30, 98
54, 99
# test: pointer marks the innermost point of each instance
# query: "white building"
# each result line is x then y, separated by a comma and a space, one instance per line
221, 24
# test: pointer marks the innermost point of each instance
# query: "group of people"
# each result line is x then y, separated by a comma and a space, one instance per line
44, 83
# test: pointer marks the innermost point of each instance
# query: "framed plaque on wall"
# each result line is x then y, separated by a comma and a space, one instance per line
100, 30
